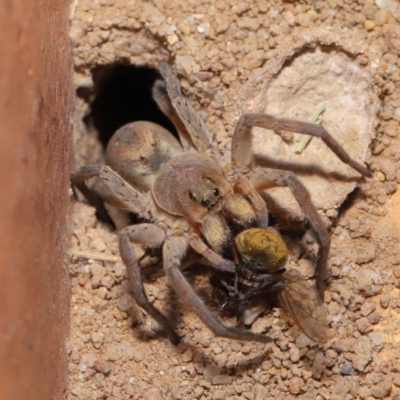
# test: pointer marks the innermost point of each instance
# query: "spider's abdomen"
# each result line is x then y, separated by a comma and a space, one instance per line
262, 250
138, 150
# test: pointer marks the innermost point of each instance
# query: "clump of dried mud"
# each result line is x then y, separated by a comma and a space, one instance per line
117, 352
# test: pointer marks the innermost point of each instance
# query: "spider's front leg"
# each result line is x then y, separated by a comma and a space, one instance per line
242, 154
178, 108
212, 257
264, 179
174, 251
245, 187
160, 96
149, 236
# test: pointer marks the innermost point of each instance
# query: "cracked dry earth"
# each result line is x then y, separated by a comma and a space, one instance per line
115, 350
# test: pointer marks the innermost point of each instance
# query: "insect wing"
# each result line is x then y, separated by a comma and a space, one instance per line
301, 300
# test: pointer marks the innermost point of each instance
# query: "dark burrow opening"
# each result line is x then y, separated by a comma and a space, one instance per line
121, 93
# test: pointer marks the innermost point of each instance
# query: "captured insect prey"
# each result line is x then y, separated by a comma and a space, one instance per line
195, 200
262, 279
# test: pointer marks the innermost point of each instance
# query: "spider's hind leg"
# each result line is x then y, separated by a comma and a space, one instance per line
150, 236
99, 184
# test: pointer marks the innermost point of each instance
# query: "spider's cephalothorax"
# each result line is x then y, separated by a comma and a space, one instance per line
180, 189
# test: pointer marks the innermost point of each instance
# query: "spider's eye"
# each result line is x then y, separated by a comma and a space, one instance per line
192, 196
205, 203
216, 192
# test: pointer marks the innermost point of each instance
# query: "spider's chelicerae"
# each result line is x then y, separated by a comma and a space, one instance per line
192, 199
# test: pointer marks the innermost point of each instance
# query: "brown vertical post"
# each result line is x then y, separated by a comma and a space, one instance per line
35, 158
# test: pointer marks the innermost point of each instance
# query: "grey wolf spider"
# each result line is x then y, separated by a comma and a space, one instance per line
192, 198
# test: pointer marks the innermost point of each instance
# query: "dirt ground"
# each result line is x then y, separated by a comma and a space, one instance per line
118, 352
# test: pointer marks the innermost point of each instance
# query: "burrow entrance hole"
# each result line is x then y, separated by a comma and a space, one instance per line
121, 94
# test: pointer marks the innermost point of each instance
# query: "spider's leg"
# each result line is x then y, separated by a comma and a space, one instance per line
98, 182
160, 96
246, 189
198, 132
218, 262
242, 139
174, 251
266, 178
150, 236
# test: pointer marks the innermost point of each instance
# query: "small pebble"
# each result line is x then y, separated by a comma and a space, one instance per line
102, 293
98, 272
363, 325
379, 392
294, 353
124, 302
176, 393
369, 25
113, 352
347, 369
303, 341
318, 367
129, 351
331, 358
295, 385
119, 269
374, 318
187, 355
385, 299
103, 367
205, 384
367, 308
97, 339
98, 244
376, 338
210, 372
354, 387
260, 325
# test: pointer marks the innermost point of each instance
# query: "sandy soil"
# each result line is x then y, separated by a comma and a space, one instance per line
118, 352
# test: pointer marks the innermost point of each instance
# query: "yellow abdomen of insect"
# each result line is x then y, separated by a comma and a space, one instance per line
262, 250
